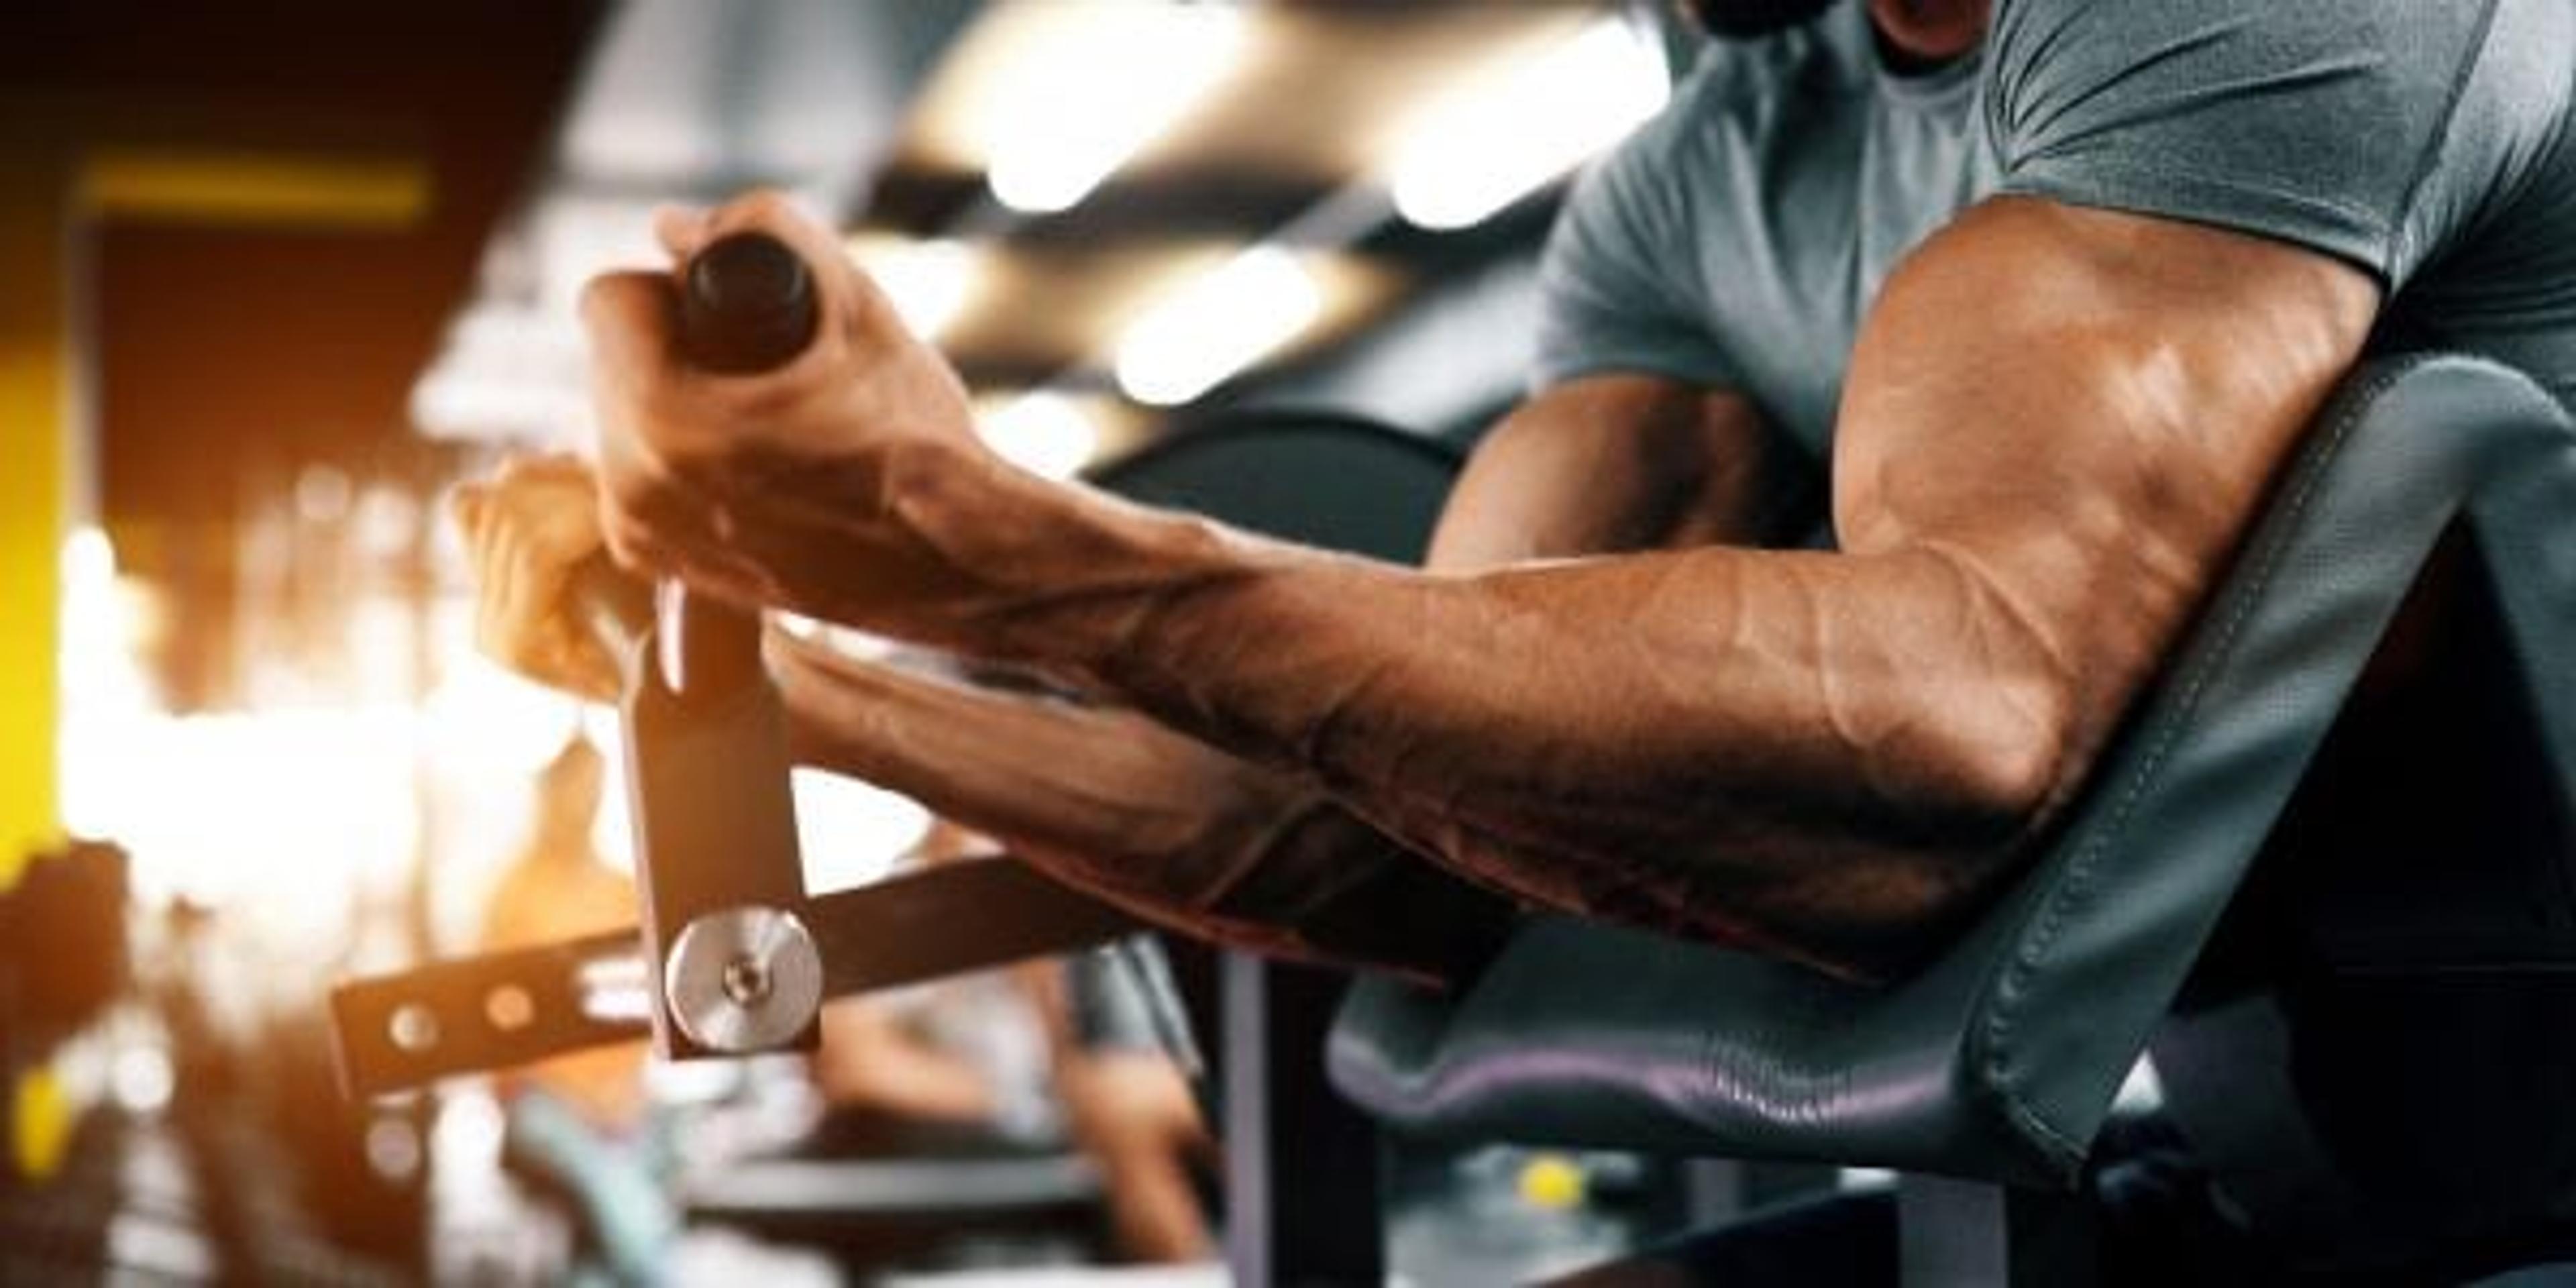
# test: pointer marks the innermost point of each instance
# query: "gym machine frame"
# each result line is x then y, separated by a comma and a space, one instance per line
734, 957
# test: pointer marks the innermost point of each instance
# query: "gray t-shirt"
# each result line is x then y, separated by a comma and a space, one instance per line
1737, 240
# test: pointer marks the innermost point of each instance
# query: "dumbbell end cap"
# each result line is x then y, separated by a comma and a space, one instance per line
748, 304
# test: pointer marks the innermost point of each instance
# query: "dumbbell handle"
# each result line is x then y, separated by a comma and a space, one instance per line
746, 305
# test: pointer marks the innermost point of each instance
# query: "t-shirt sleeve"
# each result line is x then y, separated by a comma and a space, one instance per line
2367, 129
1612, 283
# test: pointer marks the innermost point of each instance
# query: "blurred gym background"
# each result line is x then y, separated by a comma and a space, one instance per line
278, 275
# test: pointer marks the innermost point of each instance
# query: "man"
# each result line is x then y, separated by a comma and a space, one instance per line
2048, 289
2044, 291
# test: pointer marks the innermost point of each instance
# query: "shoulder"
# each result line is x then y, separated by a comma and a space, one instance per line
2317, 121
2044, 53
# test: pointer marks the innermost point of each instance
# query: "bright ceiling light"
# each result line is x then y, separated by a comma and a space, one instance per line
1043, 432
1109, 77
1217, 324
928, 282
1476, 152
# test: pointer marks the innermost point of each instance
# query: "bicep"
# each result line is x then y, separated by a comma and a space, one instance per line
1615, 462
2077, 412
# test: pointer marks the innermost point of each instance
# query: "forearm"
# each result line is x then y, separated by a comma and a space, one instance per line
1036, 771
1802, 751
2032, 491
1617, 462
1170, 827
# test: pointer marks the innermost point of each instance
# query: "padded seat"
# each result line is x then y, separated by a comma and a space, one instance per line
1999, 1059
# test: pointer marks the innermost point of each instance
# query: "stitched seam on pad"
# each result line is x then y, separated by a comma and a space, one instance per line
2083, 869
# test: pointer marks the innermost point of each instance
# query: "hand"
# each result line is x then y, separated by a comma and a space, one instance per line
526, 530
792, 487
1131, 1101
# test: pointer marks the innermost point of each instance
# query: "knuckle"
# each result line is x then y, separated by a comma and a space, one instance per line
764, 206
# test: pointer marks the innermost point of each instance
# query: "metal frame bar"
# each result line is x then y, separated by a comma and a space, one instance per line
1975, 1234
1302, 1166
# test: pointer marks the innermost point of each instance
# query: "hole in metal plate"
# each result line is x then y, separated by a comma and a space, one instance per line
509, 1008
413, 1028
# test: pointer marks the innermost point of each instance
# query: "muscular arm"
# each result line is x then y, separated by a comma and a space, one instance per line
1112, 801
1117, 803
1612, 463
2056, 424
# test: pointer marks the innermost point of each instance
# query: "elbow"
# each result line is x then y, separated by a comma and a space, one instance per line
2005, 767
1976, 790
1998, 773
1960, 818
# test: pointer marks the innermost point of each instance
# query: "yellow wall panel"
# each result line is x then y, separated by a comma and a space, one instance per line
35, 405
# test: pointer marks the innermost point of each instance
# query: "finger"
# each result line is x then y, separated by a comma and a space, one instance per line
596, 673
682, 230
503, 595
634, 548
575, 658
466, 506
635, 370
548, 469
632, 321
560, 467
544, 563
480, 529
791, 652
576, 661
767, 210
478, 554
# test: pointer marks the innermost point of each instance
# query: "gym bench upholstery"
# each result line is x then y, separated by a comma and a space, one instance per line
1997, 1062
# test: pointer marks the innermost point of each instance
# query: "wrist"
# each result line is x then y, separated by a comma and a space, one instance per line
1063, 577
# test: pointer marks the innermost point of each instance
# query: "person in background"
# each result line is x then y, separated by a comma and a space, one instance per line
581, 1125
1021, 1055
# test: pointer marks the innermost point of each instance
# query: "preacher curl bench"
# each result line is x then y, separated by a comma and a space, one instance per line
2339, 911
2370, 1038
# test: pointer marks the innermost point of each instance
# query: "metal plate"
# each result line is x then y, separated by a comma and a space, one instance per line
744, 979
